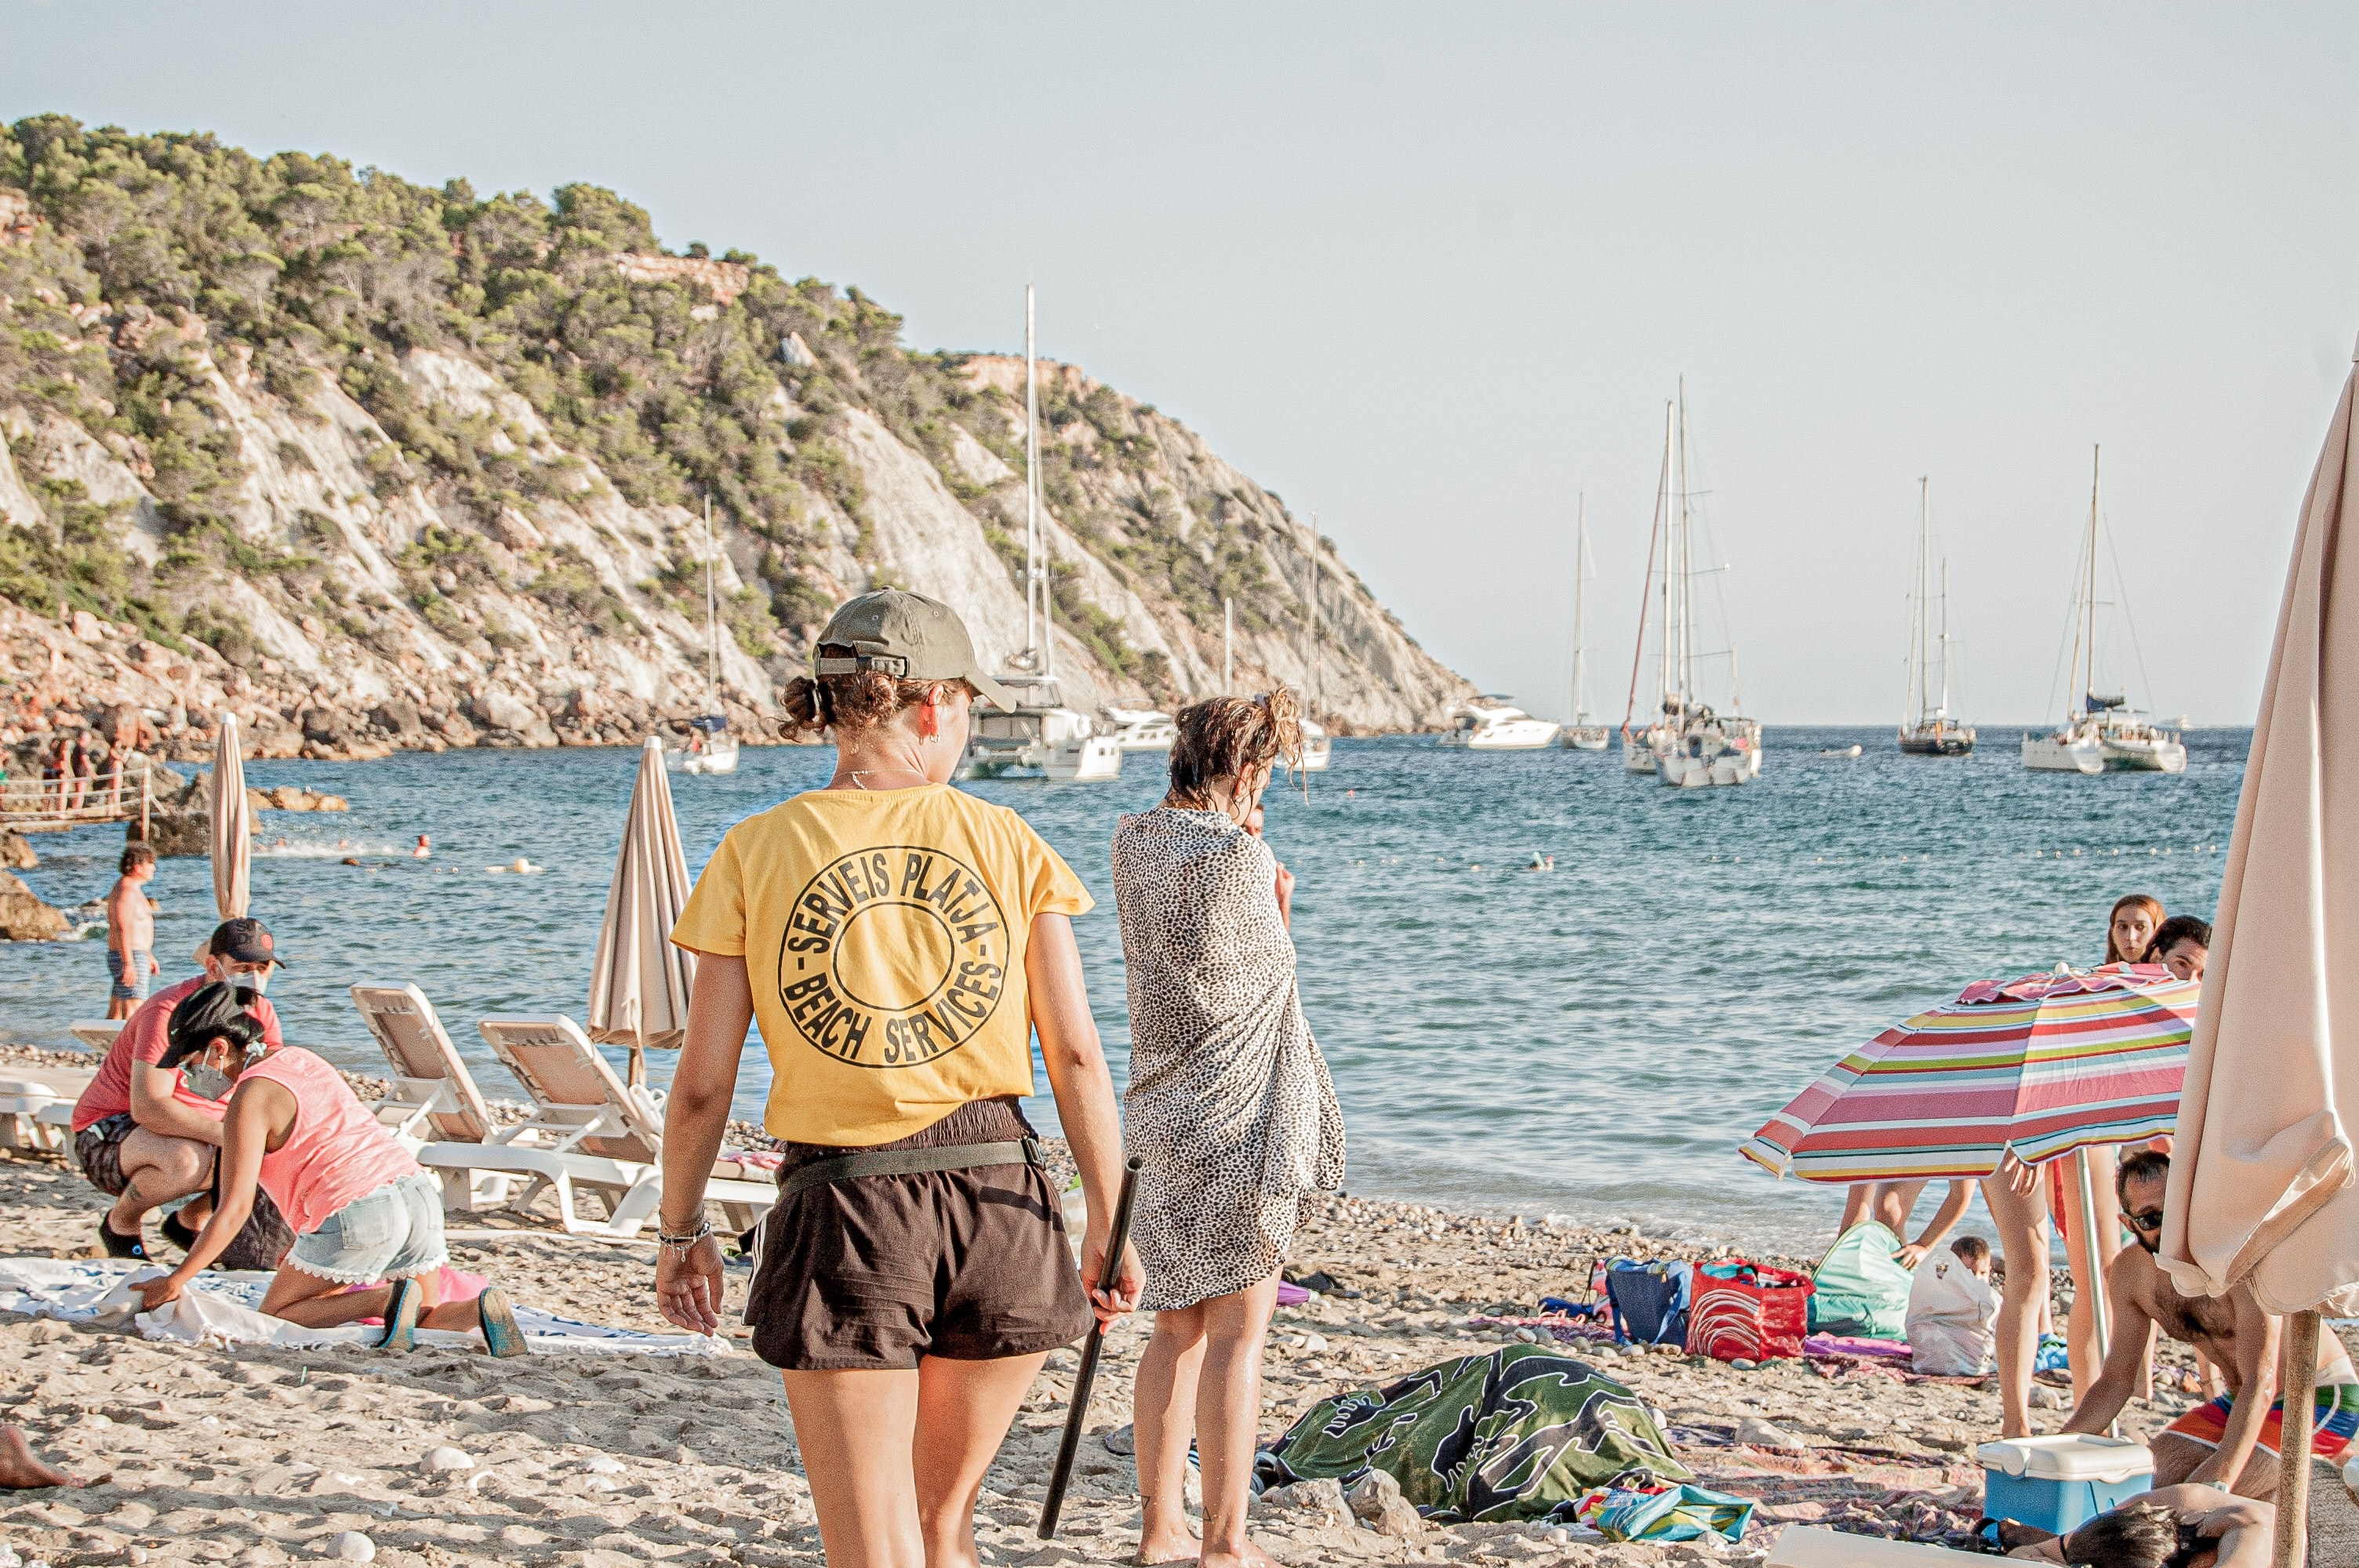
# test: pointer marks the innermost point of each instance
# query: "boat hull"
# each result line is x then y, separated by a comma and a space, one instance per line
1318, 753
1951, 744
1092, 760
1516, 735
1586, 737
721, 757
2145, 757
2063, 754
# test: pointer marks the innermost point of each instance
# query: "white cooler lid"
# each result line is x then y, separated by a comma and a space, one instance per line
2072, 1457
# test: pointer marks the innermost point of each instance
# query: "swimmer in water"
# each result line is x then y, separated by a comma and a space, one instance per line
423, 848
1541, 862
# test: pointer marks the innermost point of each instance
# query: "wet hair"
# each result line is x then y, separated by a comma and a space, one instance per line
2135, 1535
133, 857
2172, 931
2147, 902
861, 699
210, 1012
1970, 1249
2145, 1165
1229, 737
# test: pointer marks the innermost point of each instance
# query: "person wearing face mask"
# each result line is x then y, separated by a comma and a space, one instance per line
1229, 1112
144, 1133
2232, 1441
367, 1219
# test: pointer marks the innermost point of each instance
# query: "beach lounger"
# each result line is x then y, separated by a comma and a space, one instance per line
431, 1097
34, 1117
96, 1034
1806, 1546
610, 1136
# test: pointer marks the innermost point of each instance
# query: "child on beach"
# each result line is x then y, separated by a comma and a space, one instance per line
362, 1209
1952, 1311
130, 932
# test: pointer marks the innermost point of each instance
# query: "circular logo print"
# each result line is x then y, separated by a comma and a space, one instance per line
893, 957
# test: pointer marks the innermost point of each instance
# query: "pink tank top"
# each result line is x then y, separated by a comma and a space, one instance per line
336, 1151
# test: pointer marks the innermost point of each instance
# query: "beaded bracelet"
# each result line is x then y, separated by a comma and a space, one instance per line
682, 1243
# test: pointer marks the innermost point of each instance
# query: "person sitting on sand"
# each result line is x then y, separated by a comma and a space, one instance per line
1230, 1111
130, 931
143, 1134
22, 1471
361, 1208
2170, 1527
2232, 1441
2182, 944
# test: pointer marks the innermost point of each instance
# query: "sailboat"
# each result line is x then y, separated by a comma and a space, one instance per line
1318, 746
1039, 738
709, 747
1926, 728
1685, 742
1580, 734
2100, 734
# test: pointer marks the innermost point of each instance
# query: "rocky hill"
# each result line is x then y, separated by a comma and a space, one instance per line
380, 465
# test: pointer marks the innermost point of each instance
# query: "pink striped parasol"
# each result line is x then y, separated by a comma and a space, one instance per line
2042, 1066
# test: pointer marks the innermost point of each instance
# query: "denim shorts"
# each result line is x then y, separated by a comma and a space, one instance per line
389, 1234
128, 973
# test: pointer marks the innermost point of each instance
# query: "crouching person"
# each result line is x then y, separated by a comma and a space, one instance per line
361, 1208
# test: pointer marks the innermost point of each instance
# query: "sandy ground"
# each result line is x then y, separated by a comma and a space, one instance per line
257, 1456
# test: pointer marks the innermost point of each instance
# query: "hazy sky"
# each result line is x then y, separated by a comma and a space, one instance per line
1432, 271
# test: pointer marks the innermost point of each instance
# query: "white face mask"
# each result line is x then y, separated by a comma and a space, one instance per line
251, 982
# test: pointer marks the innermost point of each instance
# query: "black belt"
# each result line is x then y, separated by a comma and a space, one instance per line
908, 1162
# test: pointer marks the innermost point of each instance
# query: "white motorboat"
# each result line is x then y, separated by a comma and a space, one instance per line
1926, 726
2100, 734
1039, 738
1853, 749
1141, 728
1581, 734
709, 747
1318, 747
1490, 723
1686, 743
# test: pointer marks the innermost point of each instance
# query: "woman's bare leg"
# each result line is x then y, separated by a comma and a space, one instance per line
2088, 1357
964, 1409
1228, 1410
854, 1430
1859, 1199
315, 1303
2021, 1220
1163, 1423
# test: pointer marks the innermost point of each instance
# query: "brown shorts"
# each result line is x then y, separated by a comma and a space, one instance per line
98, 1149
876, 1272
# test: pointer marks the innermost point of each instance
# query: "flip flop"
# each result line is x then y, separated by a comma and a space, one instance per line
401, 1316
502, 1337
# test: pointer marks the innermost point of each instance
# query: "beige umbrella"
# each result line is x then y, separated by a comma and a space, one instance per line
233, 826
2261, 1190
639, 984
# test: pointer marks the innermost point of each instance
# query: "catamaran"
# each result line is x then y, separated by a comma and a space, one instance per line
1582, 735
1039, 738
1141, 728
709, 747
1927, 729
1685, 742
2100, 734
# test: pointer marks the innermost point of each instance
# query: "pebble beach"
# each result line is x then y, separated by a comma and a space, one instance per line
257, 1456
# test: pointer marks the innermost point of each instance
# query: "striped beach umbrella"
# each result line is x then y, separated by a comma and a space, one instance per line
2043, 1065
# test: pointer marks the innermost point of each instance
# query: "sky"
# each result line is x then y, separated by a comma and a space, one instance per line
1432, 272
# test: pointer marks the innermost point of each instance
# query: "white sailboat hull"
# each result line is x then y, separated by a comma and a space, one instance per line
718, 756
2065, 754
1587, 736
1093, 759
1318, 749
2157, 756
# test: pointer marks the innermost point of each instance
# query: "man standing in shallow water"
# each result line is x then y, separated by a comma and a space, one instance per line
2232, 1442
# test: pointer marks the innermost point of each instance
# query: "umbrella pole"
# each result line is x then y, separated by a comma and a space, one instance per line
2293, 1447
639, 1068
2093, 1245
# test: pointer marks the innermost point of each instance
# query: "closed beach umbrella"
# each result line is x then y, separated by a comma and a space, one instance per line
2261, 1187
233, 826
2043, 1065
639, 984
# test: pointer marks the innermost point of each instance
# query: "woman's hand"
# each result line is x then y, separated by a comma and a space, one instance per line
690, 1285
1128, 1282
164, 1288
2020, 1178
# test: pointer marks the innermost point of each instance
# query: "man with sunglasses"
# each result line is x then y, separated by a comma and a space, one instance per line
2230, 1443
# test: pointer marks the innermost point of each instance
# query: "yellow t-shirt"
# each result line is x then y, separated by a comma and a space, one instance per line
884, 933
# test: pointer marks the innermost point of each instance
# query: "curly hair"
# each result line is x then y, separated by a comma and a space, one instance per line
2136, 1535
847, 704
1229, 737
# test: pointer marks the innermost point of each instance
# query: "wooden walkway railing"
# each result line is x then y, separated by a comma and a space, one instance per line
45, 806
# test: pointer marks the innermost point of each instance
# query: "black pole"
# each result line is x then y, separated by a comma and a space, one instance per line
1078, 1416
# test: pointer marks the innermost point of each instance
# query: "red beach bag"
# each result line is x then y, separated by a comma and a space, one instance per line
1748, 1309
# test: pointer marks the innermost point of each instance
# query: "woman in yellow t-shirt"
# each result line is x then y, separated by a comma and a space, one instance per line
898, 943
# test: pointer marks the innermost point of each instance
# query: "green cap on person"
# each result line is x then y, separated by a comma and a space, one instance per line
908, 636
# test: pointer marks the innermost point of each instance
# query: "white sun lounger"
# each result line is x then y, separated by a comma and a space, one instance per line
432, 1098
609, 1137
96, 1034
1806, 1546
34, 1116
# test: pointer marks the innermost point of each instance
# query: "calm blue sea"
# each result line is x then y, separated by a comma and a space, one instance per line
1592, 1041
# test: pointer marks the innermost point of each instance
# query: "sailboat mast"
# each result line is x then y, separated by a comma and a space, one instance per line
2089, 587
1921, 627
1944, 711
1668, 527
1687, 565
1039, 640
1580, 595
1228, 645
712, 621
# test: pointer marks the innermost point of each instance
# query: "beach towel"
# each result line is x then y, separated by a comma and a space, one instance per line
1522, 1433
1748, 1310
1664, 1513
1862, 1287
1953, 1319
223, 1308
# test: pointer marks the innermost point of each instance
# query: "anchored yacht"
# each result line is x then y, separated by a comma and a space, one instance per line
1582, 735
1490, 723
709, 747
1928, 728
1141, 728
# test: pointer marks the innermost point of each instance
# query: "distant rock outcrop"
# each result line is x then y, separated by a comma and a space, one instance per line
24, 917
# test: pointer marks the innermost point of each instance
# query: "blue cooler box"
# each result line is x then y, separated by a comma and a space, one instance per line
2058, 1483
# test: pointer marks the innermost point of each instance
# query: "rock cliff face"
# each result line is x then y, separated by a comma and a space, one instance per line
380, 465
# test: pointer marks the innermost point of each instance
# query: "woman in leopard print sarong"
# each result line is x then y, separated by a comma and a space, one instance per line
1229, 1110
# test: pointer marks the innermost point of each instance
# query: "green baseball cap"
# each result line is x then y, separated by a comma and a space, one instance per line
905, 635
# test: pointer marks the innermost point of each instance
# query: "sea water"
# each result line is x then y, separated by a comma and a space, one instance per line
1592, 1041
